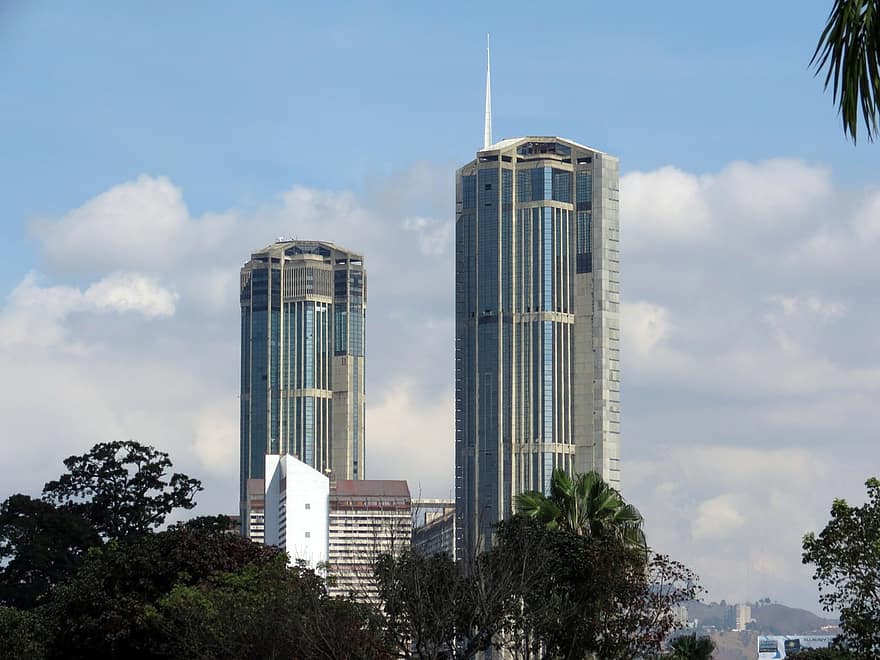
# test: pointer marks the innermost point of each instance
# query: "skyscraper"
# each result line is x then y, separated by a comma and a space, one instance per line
537, 324
303, 310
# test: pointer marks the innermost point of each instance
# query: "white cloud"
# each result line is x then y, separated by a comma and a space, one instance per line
677, 210
718, 518
644, 326
404, 430
666, 205
125, 292
34, 315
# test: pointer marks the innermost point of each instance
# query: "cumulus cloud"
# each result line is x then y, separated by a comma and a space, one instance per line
679, 210
718, 518
34, 315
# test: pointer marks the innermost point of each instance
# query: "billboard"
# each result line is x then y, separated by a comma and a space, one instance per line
781, 646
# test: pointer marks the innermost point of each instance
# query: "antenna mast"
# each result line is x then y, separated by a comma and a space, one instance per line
487, 129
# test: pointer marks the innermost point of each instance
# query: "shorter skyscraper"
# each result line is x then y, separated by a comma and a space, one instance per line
296, 509
367, 518
303, 315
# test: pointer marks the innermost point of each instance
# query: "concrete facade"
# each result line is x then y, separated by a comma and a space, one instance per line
367, 518
296, 510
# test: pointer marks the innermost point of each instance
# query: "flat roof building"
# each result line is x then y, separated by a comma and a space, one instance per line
367, 518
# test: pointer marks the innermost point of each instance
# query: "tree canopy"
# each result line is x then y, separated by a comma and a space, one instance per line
40, 545
122, 487
846, 557
584, 504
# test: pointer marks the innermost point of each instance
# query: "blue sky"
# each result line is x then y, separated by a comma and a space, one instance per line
147, 148
234, 102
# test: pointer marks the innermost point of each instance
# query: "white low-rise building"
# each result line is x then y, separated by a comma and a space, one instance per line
296, 509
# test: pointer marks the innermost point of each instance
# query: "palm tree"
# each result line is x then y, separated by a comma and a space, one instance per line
691, 647
584, 505
850, 47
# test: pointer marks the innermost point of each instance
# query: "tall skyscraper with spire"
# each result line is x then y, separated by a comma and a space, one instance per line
303, 313
537, 323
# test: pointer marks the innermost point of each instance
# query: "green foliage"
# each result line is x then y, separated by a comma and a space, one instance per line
691, 647
21, 634
430, 605
584, 505
122, 487
40, 545
582, 595
849, 47
541, 591
266, 610
846, 556
105, 609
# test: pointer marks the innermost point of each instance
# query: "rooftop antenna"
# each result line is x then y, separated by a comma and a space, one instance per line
487, 130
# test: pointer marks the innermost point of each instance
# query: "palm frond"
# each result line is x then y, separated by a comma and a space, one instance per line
849, 47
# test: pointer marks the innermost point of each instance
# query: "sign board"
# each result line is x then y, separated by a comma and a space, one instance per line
781, 646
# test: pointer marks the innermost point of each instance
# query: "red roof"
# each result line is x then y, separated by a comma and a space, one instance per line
371, 488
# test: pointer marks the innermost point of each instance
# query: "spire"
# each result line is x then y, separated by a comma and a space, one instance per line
487, 131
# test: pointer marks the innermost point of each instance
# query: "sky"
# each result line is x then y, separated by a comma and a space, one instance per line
147, 148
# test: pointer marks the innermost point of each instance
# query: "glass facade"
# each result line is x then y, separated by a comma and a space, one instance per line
303, 311
536, 333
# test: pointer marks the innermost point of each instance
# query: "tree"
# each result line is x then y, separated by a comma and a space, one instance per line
266, 610
431, 608
849, 47
691, 647
104, 609
123, 488
584, 596
584, 505
21, 634
846, 556
40, 545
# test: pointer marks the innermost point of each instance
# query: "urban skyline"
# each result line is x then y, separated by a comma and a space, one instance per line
139, 178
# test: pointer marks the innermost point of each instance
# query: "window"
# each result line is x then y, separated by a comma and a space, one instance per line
308, 535
308, 506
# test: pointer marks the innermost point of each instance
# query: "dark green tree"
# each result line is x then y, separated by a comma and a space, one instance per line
104, 609
584, 504
266, 610
123, 488
691, 647
21, 634
431, 608
40, 546
584, 596
846, 557
849, 47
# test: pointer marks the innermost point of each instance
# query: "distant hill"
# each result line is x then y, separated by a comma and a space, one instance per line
770, 618
776, 619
